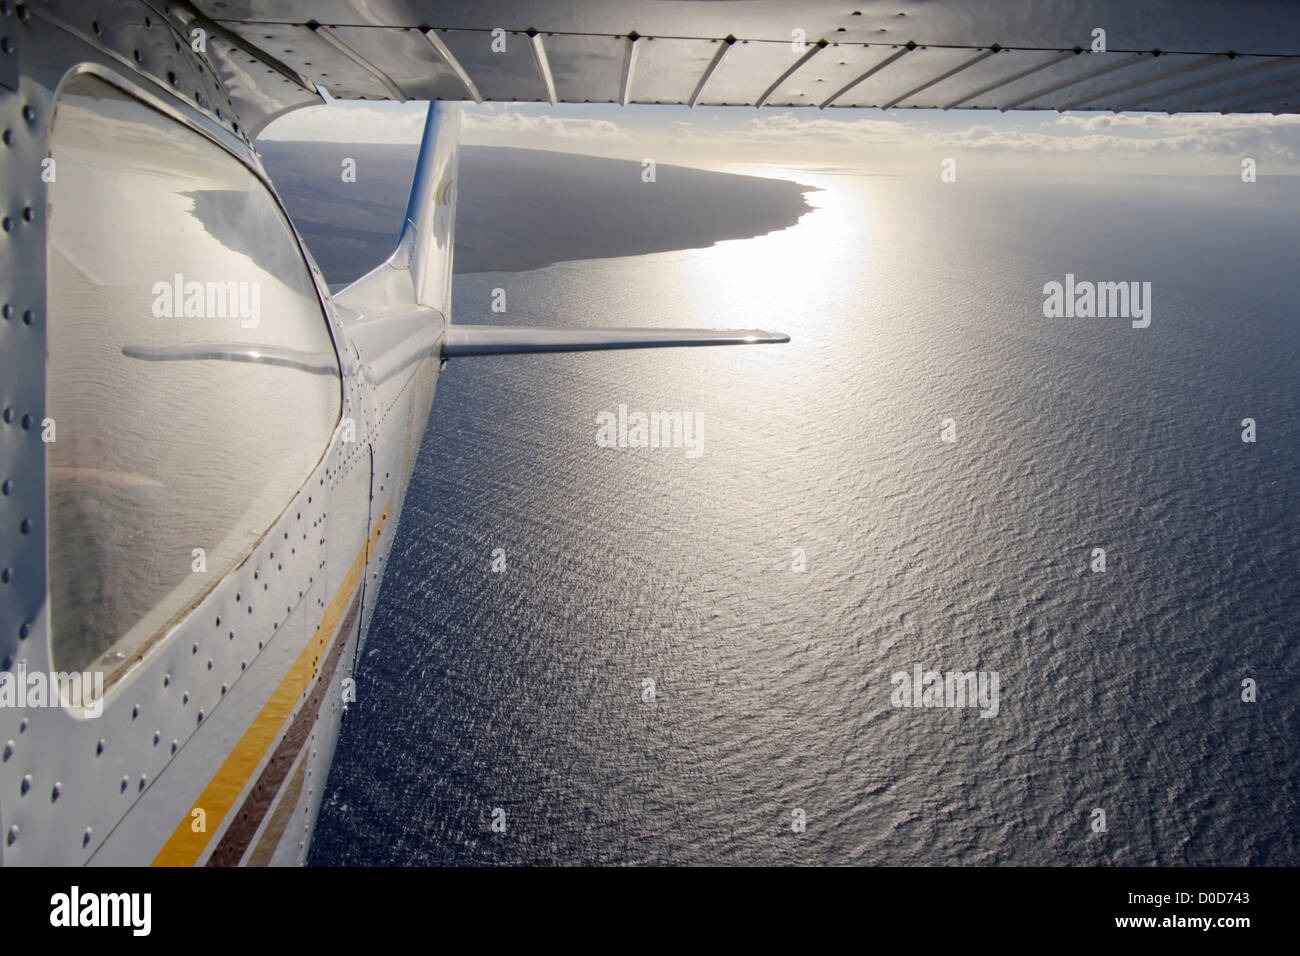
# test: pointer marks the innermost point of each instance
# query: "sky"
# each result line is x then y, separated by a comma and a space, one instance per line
982, 141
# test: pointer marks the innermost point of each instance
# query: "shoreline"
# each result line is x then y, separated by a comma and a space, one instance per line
522, 209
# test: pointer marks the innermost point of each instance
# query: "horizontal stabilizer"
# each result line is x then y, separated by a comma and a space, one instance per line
511, 340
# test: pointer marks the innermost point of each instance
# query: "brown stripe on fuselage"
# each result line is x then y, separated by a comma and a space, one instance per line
240, 833
280, 818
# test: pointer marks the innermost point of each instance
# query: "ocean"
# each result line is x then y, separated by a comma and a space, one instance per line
650, 681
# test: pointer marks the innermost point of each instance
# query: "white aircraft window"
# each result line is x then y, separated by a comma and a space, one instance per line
191, 376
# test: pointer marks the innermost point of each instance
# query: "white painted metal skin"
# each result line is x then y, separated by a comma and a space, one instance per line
1158, 55
113, 790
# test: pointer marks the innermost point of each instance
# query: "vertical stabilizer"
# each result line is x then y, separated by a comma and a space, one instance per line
419, 270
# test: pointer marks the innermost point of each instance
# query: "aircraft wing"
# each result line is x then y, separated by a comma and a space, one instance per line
1229, 56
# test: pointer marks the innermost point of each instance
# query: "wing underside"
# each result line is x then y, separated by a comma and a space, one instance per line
1160, 55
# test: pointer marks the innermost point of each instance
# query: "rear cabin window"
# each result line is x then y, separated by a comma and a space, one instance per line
191, 375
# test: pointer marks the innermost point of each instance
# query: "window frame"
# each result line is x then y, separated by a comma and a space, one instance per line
180, 111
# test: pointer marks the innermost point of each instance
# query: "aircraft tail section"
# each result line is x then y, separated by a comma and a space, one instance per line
419, 270
417, 277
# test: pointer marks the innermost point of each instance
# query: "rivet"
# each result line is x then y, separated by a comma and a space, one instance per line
54, 793
9, 749
85, 837
13, 834
125, 783
99, 747
25, 785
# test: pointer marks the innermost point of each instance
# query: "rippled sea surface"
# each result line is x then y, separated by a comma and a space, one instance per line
907, 303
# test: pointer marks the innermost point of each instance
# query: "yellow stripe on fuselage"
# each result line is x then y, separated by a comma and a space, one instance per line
184, 847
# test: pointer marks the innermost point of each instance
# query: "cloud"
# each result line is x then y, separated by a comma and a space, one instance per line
1183, 142
1186, 136
507, 123
338, 122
